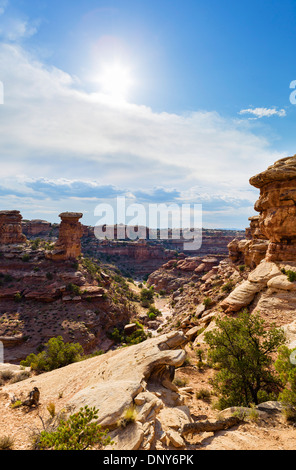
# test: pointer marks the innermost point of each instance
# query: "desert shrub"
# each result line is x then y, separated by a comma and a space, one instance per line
146, 296
228, 287
153, 312
18, 297
16, 404
73, 289
55, 355
79, 432
291, 275
242, 349
23, 375
129, 416
137, 336
26, 258
6, 374
51, 409
207, 301
6, 443
35, 244
116, 335
203, 394
92, 268
287, 371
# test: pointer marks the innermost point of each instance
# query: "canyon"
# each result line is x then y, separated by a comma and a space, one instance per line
60, 280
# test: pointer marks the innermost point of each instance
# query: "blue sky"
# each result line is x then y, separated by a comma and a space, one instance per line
164, 101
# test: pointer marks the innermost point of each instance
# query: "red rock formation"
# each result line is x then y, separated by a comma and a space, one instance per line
68, 245
36, 227
11, 228
277, 208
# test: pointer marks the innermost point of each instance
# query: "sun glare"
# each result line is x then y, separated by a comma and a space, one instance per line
115, 81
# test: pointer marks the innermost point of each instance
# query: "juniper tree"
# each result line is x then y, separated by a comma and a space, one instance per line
242, 350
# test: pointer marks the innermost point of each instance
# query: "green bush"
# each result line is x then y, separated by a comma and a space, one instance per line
73, 289
146, 296
79, 432
287, 372
56, 354
242, 350
18, 297
207, 302
227, 287
291, 275
153, 312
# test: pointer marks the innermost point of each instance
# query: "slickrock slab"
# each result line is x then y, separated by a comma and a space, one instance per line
257, 280
123, 374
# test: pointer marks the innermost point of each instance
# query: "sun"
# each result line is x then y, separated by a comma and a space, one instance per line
115, 80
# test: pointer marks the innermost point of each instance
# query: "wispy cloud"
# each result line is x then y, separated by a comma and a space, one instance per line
3, 6
14, 28
264, 112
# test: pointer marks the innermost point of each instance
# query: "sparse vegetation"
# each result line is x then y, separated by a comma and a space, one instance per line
227, 287
153, 312
72, 289
147, 296
129, 416
6, 443
207, 301
79, 432
55, 355
203, 394
286, 367
242, 348
291, 275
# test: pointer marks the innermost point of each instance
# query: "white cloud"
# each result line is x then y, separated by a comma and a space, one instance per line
264, 112
49, 128
14, 28
3, 6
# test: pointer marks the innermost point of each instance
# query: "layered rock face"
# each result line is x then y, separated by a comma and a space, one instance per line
36, 227
11, 228
251, 250
276, 204
68, 245
269, 288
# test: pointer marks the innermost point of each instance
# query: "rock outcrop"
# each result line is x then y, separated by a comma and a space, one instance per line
11, 228
270, 288
33, 228
277, 208
180, 271
41, 298
137, 378
68, 245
